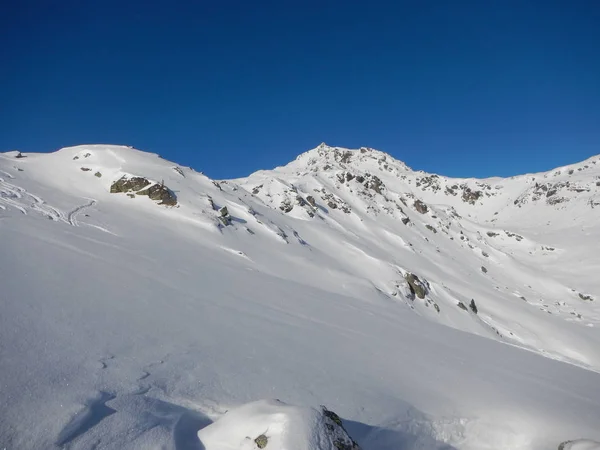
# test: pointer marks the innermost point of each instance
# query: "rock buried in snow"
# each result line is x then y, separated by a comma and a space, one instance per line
274, 425
579, 444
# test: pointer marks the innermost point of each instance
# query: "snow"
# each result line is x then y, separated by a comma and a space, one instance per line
282, 426
128, 324
581, 444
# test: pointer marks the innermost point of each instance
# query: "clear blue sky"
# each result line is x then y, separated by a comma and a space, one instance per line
462, 88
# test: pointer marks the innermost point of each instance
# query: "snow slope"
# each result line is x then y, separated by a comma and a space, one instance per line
130, 324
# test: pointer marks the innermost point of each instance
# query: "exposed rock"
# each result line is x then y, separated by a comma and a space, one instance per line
224, 216
98, 174
420, 206
461, 305
492, 234
373, 182
473, 306
470, 196
338, 434
430, 228
300, 201
125, 184
286, 206
261, 441
311, 200
85, 169
516, 236
405, 220
160, 193
417, 287
345, 157
587, 298
483, 269
20, 155
332, 204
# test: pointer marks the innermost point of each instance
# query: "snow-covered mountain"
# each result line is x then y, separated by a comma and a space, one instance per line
140, 300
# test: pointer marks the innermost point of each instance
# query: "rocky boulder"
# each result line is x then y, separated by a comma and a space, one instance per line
416, 286
420, 206
272, 424
125, 184
143, 186
160, 193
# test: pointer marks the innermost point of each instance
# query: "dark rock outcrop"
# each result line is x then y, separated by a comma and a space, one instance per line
125, 184
470, 196
261, 441
224, 216
158, 192
161, 193
473, 306
417, 287
337, 433
430, 228
420, 206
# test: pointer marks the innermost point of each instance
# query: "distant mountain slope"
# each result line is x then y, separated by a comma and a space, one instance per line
141, 299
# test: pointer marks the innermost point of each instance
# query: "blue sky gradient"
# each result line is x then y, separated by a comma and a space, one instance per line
461, 88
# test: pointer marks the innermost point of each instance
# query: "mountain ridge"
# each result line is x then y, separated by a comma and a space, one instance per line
130, 252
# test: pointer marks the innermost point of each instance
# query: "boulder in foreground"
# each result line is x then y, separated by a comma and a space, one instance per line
274, 425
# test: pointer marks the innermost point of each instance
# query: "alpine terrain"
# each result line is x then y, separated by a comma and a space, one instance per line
342, 301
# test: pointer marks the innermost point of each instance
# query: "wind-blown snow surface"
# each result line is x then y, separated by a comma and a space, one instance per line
129, 324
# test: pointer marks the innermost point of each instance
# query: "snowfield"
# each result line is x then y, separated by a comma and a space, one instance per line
144, 305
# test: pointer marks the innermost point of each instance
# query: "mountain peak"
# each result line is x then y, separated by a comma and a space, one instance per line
324, 158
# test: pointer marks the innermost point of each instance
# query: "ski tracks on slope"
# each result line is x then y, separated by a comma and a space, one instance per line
72, 215
16, 197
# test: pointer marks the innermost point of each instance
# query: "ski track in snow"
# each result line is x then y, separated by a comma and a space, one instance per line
72, 215
15, 196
